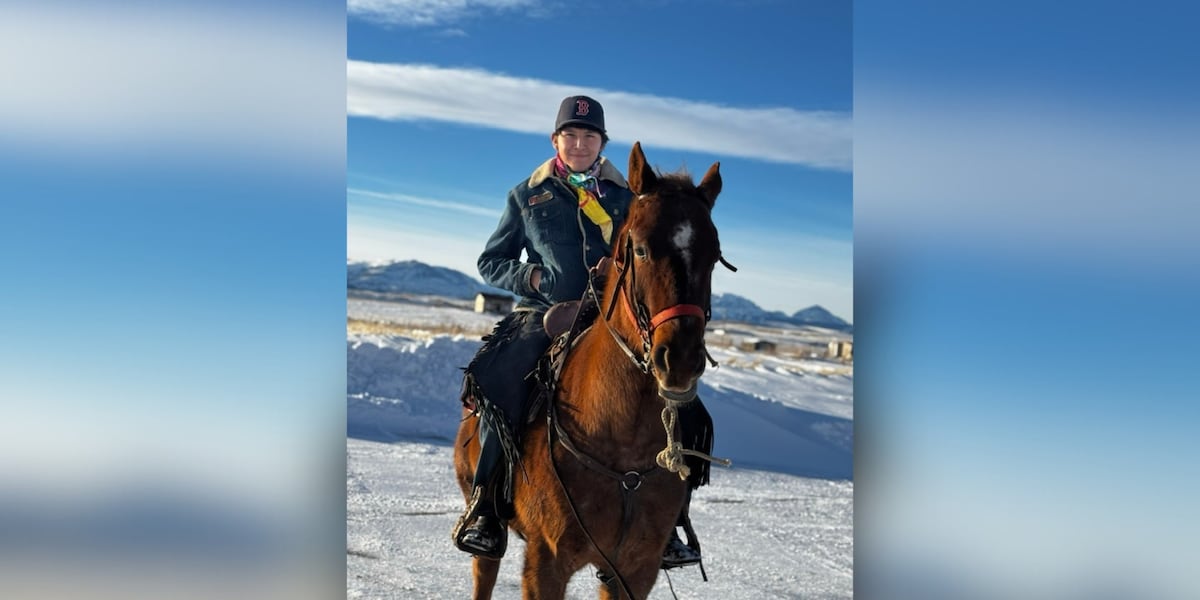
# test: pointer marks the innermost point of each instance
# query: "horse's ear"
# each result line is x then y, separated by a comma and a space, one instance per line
641, 177
710, 186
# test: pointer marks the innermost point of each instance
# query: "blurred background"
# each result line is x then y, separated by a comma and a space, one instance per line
172, 252
172, 239
1026, 276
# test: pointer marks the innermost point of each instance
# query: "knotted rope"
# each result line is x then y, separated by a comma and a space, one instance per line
671, 457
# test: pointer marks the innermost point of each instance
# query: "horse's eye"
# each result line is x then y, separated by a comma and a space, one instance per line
640, 251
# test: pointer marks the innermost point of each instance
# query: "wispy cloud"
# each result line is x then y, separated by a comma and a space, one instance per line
430, 13
221, 79
1076, 183
442, 204
411, 92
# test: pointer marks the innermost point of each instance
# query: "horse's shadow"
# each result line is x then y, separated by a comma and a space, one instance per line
763, 434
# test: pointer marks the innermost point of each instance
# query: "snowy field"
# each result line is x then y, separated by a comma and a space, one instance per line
778, 524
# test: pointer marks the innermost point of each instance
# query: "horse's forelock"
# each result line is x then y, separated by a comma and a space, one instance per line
680, 182
676, 187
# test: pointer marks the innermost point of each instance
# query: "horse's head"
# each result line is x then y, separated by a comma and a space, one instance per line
664, 258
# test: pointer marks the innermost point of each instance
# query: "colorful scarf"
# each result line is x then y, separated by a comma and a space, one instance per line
587, 188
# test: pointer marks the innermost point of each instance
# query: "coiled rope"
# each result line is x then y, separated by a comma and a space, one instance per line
671, 457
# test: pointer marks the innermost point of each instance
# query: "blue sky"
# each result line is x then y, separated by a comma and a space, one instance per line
449, 107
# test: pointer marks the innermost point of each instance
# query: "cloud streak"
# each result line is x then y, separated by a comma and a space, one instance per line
1041, 177
441, 204
229, 81
429, 13
413, 92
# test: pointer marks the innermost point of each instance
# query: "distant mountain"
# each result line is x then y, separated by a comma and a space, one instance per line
817, 315
414, 277
731, 307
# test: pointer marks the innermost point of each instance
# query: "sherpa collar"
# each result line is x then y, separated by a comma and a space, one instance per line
607, 172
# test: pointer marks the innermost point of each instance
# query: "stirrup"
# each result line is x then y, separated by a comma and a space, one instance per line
463, 527
499, 544
678, 554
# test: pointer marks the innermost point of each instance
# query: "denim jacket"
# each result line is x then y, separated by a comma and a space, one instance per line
542, 218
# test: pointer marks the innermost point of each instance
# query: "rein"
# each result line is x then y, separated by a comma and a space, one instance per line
671, 458
630, 482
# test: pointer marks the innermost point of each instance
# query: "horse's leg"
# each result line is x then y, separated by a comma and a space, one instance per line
486, 570
542, 577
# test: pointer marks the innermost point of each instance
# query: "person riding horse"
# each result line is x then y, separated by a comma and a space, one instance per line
563, 217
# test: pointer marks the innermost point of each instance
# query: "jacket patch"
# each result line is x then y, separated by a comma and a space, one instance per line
540, 198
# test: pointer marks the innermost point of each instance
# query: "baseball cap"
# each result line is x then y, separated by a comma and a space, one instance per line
580, 111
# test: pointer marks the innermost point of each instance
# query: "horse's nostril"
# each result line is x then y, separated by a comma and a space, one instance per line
660, 358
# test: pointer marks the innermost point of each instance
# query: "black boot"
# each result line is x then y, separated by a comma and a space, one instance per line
679, 554
480, 531
485, 537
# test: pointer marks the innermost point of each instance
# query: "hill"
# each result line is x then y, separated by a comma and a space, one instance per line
817, 315
731, 307
414, 277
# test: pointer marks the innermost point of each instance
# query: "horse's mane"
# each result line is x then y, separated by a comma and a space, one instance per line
675, 183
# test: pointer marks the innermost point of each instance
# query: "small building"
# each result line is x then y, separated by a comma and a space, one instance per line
493, 303
843, 350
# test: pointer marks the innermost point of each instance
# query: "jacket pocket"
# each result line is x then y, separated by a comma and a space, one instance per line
546, 222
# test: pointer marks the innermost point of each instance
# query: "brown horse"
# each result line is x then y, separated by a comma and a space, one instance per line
594, 494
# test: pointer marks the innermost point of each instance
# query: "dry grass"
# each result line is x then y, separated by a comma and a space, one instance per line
421, 330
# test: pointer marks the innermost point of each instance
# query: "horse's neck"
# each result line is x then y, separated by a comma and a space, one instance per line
608, 395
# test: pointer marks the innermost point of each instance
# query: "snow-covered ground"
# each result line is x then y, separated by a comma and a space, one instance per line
778, 524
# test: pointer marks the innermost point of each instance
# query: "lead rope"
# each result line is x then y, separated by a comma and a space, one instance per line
671, 457
670, 584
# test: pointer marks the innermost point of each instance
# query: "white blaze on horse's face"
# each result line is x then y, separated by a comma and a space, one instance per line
683, 242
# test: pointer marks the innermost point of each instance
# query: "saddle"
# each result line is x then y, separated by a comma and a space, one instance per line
562, 317
563, 322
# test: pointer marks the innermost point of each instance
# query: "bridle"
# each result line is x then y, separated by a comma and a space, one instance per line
644, 321
639, 313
